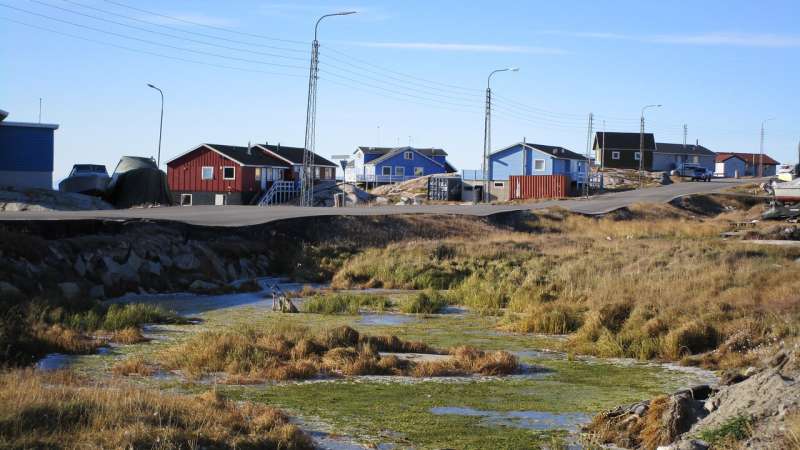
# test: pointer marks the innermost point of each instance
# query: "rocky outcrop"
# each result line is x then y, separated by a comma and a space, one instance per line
142, 258
750, 406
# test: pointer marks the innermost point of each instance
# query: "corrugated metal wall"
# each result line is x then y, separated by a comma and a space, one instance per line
538, 186
184, 174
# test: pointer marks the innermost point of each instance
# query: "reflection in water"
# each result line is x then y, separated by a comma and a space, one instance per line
531, 420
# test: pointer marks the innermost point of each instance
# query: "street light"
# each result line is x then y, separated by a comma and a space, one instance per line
307, 181
161, 125
761, 148
487, 130
641, 143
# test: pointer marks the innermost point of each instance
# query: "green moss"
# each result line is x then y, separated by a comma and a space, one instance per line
429, 301
345, 303
736, 429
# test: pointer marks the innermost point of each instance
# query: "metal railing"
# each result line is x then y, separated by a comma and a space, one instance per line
280, 192
370, 178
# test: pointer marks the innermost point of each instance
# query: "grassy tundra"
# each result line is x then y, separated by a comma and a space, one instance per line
653, 283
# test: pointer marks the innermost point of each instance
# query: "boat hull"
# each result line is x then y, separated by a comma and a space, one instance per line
89, 185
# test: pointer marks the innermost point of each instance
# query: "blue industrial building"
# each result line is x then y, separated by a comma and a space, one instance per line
26, 155
390, 165
536, 159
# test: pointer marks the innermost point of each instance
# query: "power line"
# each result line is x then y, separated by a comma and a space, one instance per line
146, 41
195, 33
147, 52
197, 41
205, 25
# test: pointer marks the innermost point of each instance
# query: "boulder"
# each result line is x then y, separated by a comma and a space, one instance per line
200, 286
70, 290
80, 266
97, 292
8, 290
187, 261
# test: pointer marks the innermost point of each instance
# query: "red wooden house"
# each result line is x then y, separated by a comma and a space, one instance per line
212, 174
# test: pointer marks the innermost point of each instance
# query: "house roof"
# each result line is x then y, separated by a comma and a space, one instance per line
429, 152
747, 157
294, 155
623, 141
552, 150
256, 156
680, 149
557, 152
51, 126
397, 151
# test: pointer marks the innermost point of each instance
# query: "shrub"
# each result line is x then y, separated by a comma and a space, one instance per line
344, 303
736, 429
693, 337
429, 301
119, 317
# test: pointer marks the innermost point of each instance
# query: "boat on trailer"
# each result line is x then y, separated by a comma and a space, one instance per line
89, 179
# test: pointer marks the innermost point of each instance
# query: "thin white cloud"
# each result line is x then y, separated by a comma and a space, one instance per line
450, 47
702, 39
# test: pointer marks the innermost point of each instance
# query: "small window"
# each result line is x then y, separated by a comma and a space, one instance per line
637, 156
207, 173
499, 184
317, 172
538, 164
258, 173
408, 155
400, 171
229, 173
696, 159
614, 155
419, 171
186, 199
386, 170
277, 174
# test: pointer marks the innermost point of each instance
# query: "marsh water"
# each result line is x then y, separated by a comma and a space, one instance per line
544, 405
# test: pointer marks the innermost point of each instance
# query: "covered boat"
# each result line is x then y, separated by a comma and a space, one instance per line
89, 179
138, 181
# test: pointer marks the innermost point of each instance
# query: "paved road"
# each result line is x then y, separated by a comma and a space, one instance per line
232, 216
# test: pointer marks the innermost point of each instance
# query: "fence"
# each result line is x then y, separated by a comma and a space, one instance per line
472, 175
538, 186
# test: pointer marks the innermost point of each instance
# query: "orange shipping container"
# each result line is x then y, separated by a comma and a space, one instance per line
538, 186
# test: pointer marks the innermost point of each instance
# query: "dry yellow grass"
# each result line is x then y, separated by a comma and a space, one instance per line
653, 282
793, 431
132, 366
251, 356
46, 411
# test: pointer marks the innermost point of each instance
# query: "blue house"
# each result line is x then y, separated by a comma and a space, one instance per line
26, 154
536, 159
390, 165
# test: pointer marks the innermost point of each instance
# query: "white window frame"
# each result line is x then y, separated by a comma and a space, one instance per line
408, 156
419, 171
203, 174
637, 156
399, 171
183, 196
536, 162
228, 167
386, 171
615, 155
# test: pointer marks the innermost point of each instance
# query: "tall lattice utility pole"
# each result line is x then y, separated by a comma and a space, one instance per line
685, 134
487, 132
588, 168
761, 148
307, 174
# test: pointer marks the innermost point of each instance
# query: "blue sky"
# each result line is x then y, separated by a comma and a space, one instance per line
399, 72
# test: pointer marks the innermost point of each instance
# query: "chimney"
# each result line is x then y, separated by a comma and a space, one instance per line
249, 148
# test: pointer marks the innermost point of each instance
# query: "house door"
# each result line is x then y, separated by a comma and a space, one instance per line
219, 199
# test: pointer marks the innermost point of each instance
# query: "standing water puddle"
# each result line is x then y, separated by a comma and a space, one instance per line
385, 319
530, 420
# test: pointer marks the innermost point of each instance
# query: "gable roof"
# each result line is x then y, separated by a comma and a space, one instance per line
680, 149
294, 155
429, 152
397, 151
552, 150
747, 157
623, 141
239, 155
